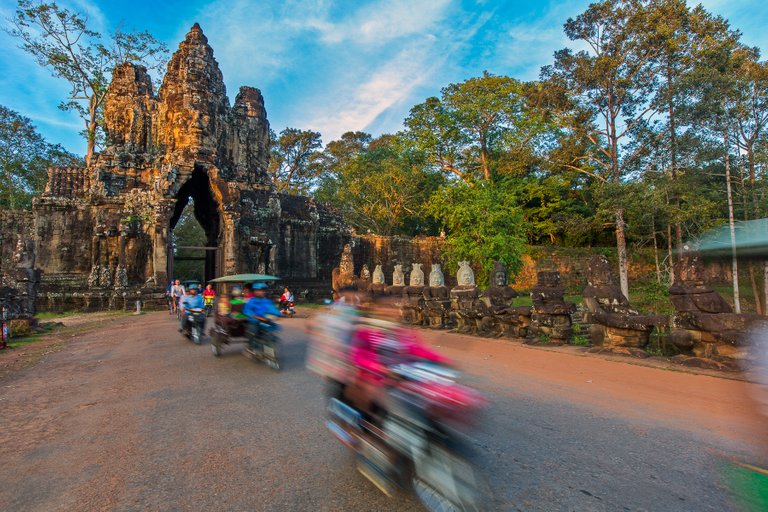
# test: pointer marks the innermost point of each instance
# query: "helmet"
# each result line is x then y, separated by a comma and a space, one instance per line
236, 291
259, 286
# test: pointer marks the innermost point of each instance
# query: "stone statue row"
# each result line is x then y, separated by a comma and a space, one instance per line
467, 309
704, 329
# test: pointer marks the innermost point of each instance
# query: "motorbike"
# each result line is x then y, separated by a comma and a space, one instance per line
263, 343
287, 308
194, 324
208, 303
416, 444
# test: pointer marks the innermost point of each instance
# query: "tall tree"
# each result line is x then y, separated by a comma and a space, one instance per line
713, 87
295, 160
484, 224
610, 85
382, 189
24, 160
60, 40
473, 123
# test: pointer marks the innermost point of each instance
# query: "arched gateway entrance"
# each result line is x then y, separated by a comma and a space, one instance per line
207, 213
106, 230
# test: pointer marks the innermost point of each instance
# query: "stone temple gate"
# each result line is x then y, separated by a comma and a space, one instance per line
107, 226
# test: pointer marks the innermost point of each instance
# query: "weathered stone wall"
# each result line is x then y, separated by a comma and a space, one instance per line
14, 225
104, 232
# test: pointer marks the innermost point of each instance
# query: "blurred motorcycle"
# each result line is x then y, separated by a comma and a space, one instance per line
287, 308
415, 444
208, 303
194, 324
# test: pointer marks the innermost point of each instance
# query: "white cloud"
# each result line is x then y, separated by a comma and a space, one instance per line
369, 100
359, 103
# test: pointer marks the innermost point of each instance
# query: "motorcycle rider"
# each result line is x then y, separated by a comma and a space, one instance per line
259, 308
377, 345
285, 299
190, 301
177, 292
209, 294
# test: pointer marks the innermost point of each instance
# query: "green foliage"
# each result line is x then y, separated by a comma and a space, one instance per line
579, 340
382, 188
24, 160
60, 40
653, 297
189, 232
295, 160
658, 343
478, 128
484, 223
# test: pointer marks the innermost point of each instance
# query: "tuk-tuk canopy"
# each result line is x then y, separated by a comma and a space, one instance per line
751, 240
245, 278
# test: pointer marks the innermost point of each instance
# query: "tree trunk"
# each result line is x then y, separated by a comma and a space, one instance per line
755, 289
656, 255
765, 287
484, 160
621, 246
669, 255
731, 223
90, 129
673, 161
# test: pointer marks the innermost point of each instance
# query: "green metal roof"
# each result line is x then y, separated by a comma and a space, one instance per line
751, 240
245, 278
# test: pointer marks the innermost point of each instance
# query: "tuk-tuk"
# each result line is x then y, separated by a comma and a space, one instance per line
230, 325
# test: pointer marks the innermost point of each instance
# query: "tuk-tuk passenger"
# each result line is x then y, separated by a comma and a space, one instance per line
237, 303
259, 307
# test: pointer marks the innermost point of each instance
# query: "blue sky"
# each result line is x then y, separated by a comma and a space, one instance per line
332, 66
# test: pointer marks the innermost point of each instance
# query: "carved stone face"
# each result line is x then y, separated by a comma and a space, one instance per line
417, 275
599, 271
436, 277
378, 275
465, 276
690, 269
398, 279
346, 266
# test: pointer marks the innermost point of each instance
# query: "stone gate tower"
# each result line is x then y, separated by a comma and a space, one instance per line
107, 226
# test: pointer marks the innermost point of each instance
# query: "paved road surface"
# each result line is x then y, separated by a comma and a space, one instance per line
134, 417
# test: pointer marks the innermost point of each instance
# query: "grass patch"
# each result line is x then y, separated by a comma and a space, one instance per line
33, 337
524, 299
51, 315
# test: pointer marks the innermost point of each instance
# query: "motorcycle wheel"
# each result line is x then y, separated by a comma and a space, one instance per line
271, 353
216, 344
450, 483
195, 335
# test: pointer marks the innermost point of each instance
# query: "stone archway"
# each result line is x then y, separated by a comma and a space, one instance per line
207, 212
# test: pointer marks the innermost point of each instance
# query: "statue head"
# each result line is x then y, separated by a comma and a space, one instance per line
599, 272
689, 268
365, 274
436, 277
346, 266
417, 275
499, 275
465, 276
378, 275
398, 278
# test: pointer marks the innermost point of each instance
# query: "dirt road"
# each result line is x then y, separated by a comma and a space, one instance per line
133, 417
